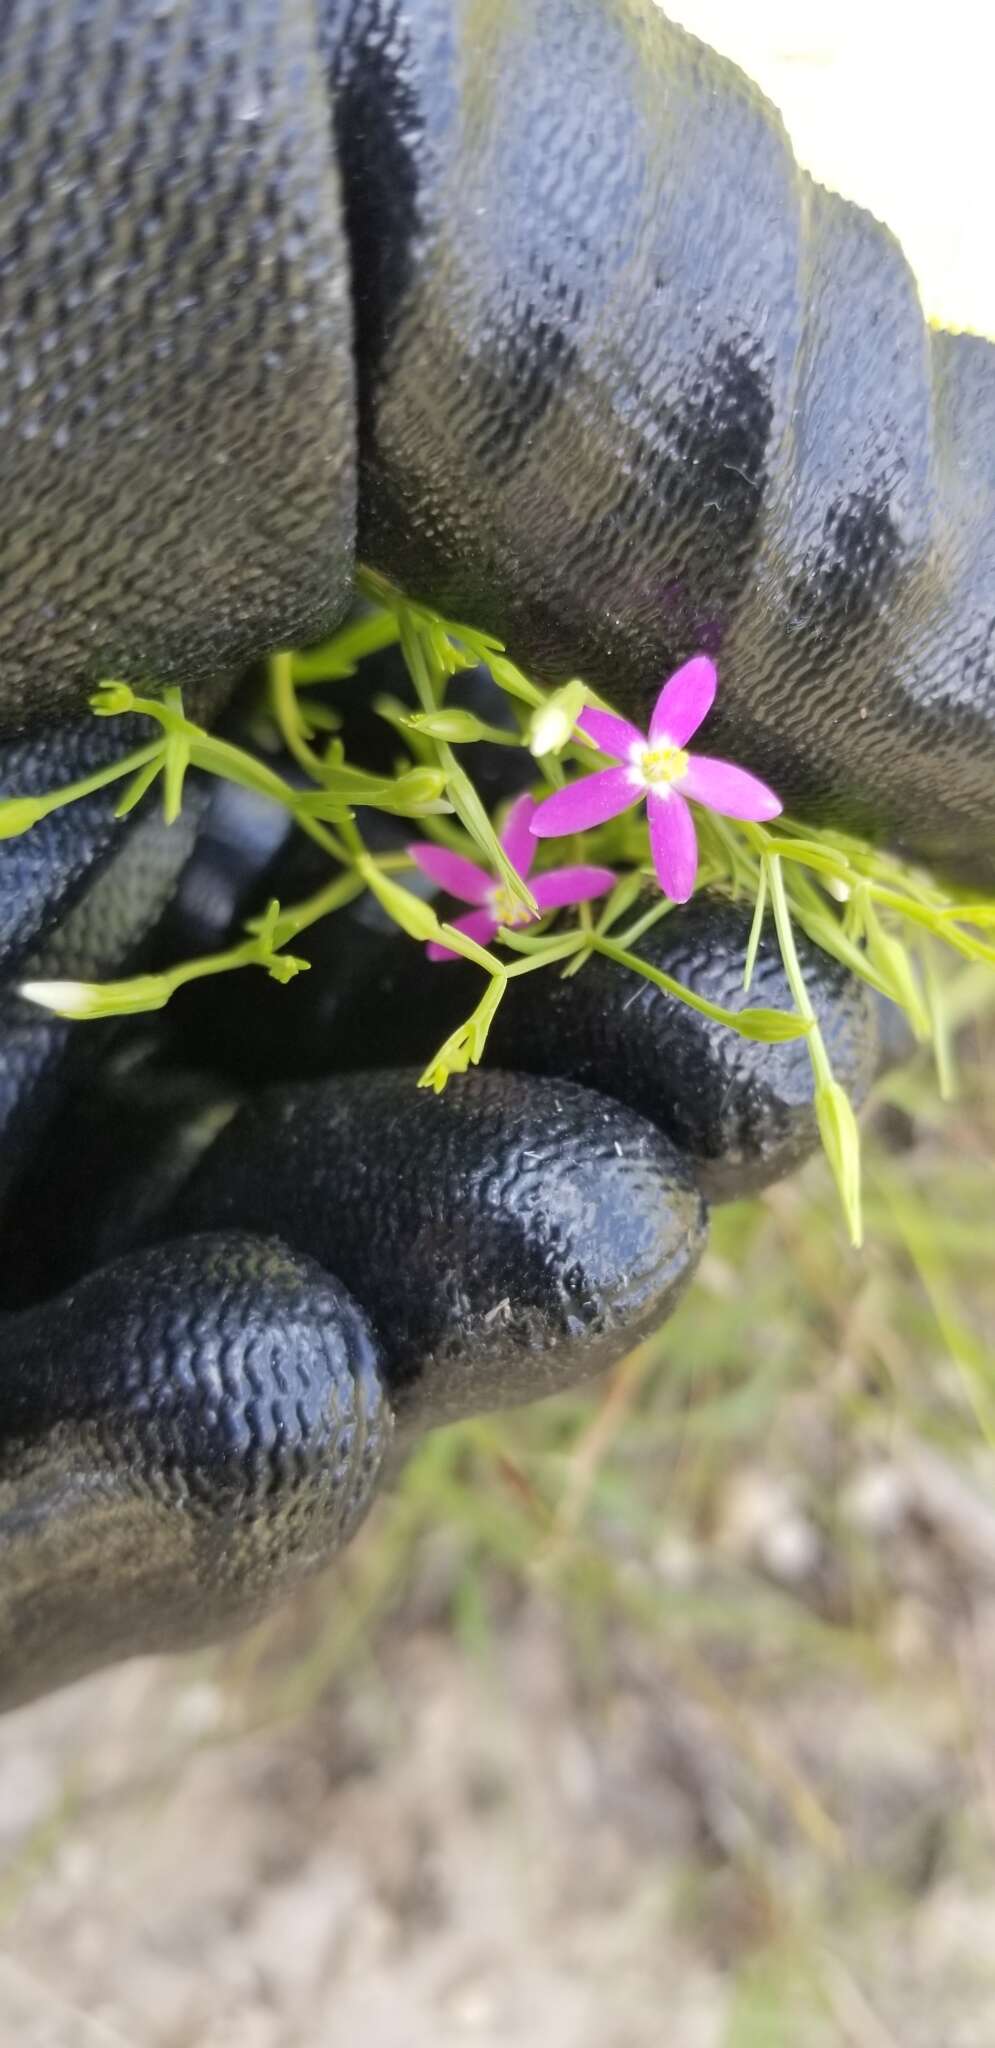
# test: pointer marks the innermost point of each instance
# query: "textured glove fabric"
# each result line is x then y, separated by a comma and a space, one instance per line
622, 381
530, 302
176, 374
183, 1435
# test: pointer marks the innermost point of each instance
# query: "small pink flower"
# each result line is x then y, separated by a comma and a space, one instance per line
657, 767
496, 905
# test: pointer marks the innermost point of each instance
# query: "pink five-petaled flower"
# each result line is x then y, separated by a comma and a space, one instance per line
656, 766
495, 903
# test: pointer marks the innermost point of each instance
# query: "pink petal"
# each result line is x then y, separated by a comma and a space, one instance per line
729, 790
460, 877
477, 924
684, 702
516, 838
615, 736
673, 844
572, 885
592, 801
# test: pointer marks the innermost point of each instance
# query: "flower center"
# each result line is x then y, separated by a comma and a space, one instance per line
662, 765
507, 908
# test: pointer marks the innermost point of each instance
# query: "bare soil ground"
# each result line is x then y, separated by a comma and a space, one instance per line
536, 1823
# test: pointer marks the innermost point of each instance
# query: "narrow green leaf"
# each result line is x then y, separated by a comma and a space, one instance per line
809, 854
626, 892
564, 946
755, 930
320, 717
841, 1143
337, 659
542, 945
19, 813
176, 761
472, 814
774, 1027
465, 800
825, 933
894, 965
138, 786
941, 1025
981, 914
511, 680
652, 915
413, 916
469, 948
483, 1017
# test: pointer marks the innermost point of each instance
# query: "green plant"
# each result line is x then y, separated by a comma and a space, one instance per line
887, 921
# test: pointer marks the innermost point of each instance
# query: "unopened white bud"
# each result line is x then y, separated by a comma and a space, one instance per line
552, 724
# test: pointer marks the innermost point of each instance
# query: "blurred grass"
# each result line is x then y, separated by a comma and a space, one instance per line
899, 1337
794, 1367
685, 1534
792, 1356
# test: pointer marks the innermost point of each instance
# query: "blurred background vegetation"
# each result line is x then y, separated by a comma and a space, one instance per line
662, 1713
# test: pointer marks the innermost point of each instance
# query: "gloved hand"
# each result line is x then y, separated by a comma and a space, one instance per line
615, 381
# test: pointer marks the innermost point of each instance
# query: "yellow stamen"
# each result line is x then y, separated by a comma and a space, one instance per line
663, 766
507, 908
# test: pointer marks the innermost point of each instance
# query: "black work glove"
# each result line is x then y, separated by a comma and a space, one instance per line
613, 380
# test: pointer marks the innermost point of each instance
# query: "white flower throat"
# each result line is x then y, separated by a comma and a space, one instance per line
660, 766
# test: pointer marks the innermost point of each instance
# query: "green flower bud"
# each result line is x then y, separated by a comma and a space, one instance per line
456, 725
84, 1000
19, 813
111, 699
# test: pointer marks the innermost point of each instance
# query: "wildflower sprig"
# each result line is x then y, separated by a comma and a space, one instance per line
887, 921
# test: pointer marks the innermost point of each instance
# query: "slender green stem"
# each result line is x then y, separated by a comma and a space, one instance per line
792, 967
338, 658
753, 943
288, 716
763, 1024
893, 914
19, 813
833, 1109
